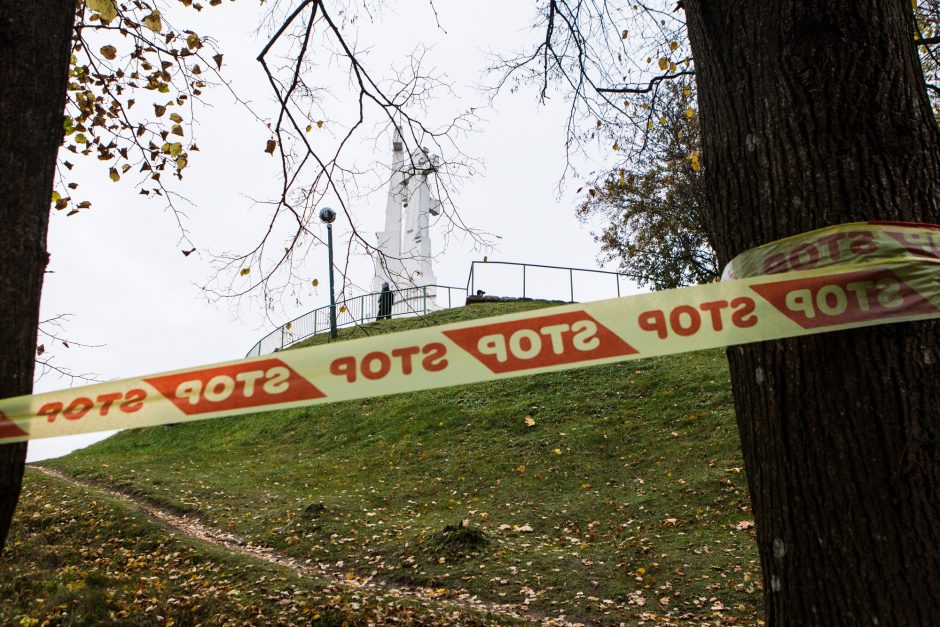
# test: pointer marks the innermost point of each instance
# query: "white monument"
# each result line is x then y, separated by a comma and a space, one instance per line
405, 244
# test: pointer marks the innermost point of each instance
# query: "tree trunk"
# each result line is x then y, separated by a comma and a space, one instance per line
814, 114
34, 43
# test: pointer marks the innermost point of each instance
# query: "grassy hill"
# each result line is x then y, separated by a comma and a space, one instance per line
605, 494
80, 557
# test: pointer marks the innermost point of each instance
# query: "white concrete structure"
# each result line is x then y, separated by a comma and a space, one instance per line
405, 244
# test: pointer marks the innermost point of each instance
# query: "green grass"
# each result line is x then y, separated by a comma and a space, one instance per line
621, 502
83, 558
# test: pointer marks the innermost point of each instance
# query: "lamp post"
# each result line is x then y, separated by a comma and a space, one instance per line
327, 215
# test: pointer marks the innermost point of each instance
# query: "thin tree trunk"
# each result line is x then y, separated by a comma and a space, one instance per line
814, 114
34, 46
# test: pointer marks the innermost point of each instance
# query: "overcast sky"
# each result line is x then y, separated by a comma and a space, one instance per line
118, 269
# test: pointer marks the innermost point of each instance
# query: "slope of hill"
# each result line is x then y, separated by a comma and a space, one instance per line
79, 556
611, 493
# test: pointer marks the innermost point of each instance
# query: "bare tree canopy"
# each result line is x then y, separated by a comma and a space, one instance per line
317, 128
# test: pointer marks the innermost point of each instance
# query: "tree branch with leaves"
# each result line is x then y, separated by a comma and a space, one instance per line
652, 206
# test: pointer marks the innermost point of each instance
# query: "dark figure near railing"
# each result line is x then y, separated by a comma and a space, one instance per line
386, 300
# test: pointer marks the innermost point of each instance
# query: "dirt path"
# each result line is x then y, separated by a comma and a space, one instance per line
308, 568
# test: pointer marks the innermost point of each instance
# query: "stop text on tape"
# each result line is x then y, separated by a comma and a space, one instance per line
898, 280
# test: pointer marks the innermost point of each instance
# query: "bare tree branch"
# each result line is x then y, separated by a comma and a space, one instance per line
50, 332
649, 87
595, 62
312, 170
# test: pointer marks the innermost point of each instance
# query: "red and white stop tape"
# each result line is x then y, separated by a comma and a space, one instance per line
843, 277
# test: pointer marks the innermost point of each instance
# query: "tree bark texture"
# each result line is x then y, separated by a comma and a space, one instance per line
815, 114
34, 45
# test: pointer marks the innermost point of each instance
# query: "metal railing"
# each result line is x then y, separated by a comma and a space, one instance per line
418, 301
413, 301
541, 291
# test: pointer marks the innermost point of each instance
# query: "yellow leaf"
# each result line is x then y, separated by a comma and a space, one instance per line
181, 162
177, 130
288, 326
673, 45
520, 468
342, 309
108, 52
107, 9
176, 117
174, 149
114, 175
673, 67
309, 127
316, 282
686, 90
694, 157
557, 451
662, 120
319, 123
244, 271
56, 196
153, 21
616, 147
663, 63
529, 421
649, 125
689, 113
192, 41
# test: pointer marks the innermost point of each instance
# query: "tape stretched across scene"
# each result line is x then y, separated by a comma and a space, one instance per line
842, 277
